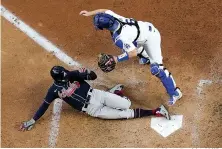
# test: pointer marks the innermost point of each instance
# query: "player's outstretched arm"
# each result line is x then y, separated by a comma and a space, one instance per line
91, 13
129, 49
28, 125
125, 56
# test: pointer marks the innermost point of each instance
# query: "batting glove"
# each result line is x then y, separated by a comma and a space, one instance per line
82, 70
28, 125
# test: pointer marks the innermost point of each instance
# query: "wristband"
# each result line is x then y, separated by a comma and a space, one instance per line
123, 57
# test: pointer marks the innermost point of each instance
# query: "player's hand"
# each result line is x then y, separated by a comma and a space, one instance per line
82, 70
27, 125
85, 13
115, 59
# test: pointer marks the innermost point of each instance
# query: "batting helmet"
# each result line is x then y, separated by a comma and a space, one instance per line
59, 74
103, 20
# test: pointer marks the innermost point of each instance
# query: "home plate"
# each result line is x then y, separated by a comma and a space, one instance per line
166, 127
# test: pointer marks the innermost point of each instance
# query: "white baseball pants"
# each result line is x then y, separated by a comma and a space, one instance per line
153, 46
106, 105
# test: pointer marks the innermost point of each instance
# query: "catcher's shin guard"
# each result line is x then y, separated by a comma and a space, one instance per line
166, 78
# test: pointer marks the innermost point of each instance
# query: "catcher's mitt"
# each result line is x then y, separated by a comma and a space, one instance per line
106, 62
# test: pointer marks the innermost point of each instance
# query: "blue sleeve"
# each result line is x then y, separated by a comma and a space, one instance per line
119, 44
47, 101
126, 47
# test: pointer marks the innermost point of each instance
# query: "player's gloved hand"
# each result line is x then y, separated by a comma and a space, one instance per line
106, 62
82, 70
27, 125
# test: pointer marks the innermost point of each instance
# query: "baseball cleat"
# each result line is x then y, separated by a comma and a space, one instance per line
162, 112
116, 88
178, 95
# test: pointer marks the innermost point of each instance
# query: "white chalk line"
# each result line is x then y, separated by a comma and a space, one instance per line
50, 47
54, 127
199, 92
38, 38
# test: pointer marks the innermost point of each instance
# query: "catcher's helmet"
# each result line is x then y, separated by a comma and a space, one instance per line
103, 20
59, 74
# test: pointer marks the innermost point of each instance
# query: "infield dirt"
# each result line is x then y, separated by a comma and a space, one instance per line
192, 48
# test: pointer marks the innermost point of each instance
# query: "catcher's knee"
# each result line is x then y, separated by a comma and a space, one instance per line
165, 76
159, 71
156, 69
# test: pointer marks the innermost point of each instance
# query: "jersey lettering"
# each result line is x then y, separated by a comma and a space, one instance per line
69, 91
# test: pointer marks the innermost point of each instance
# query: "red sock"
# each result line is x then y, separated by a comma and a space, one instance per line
157, 114
154, 111
119, 93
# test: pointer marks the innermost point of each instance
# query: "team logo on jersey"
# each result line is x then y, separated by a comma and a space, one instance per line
72, 87
127, 46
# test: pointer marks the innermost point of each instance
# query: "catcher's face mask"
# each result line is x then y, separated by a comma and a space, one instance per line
102, 20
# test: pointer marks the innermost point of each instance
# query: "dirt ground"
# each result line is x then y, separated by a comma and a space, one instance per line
191, 45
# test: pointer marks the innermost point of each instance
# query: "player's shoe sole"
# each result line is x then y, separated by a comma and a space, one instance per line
163, 112
174, 98
118, 87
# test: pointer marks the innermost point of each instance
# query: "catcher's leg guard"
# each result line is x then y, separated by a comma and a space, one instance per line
166, 78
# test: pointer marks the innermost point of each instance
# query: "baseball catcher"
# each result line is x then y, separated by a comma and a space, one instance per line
134, 38
71, 87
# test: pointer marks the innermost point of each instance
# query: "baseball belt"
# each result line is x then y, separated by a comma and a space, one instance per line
89, 94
